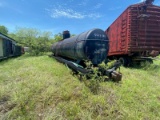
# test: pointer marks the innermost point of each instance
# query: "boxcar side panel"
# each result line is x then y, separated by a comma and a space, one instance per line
136, 31
5, 48
1, 47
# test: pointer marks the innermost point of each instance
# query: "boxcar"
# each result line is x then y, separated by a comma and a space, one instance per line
8, 47
135, 33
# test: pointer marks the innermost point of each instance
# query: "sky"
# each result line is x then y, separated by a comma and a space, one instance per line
58, 15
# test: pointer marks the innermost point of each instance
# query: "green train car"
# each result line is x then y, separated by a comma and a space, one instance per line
9, 48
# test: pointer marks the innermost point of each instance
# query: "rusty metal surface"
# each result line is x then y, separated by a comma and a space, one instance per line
136, 30
116, 76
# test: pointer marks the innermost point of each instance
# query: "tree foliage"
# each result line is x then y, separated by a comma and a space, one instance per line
39, 42
3, 30
58, 37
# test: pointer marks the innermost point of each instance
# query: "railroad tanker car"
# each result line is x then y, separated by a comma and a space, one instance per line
8, 47
92, 45
135, 34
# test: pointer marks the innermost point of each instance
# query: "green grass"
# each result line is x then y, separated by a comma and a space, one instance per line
42, 88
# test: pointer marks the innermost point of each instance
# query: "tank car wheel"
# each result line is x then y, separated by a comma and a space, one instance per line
149, 60
123, 61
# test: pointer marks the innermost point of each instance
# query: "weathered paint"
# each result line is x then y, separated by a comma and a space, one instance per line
90, 45
8, 47
136, 30
1, 47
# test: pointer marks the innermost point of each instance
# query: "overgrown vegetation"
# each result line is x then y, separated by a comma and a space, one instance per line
38, 42
42, 88
3, 30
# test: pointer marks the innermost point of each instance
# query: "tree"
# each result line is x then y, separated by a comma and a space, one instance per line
58, 37
3, 30
37, 41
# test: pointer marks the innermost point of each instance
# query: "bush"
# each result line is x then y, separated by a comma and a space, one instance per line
37, 41
39, 46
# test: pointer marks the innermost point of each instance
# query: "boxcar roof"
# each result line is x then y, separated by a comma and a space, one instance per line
133, 5
6, 37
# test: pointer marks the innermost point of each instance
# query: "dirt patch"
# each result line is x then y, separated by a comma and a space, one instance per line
5, 106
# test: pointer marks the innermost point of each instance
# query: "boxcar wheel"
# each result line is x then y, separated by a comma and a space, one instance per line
123, 61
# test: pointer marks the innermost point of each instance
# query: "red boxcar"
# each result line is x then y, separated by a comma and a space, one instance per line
135, 33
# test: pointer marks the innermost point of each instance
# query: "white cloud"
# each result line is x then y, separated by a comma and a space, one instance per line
70, 13
67, 10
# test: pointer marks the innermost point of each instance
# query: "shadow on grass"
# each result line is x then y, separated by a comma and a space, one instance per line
5, 61
145, 66
22, 57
